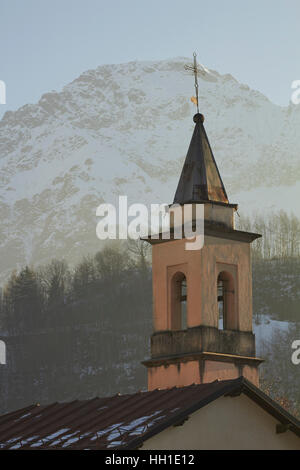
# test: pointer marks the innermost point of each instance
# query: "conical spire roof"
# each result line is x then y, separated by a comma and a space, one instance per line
200, 180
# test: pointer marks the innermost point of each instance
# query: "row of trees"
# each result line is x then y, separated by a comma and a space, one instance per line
56, 295
280, 235
279, 377
74, 333
276, 294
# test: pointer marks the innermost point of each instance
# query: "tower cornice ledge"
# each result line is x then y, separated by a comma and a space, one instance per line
205, 355
203, 201
217, 230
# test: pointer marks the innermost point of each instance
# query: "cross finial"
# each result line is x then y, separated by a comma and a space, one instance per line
195, 70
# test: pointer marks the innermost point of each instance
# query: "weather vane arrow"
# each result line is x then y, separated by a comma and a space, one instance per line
194, 68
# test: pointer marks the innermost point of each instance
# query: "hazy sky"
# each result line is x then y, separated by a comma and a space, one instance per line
47, 43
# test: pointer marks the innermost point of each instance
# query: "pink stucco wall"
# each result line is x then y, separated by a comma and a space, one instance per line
201, 268
187, 373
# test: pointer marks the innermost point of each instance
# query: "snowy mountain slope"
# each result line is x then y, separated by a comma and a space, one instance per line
124, 130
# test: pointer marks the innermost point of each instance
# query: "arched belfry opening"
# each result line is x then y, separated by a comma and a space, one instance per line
179, 302
227, 315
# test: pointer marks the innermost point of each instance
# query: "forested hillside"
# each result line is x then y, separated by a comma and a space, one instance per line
80, 332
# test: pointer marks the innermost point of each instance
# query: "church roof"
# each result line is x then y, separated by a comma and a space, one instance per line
123, 421
200, 180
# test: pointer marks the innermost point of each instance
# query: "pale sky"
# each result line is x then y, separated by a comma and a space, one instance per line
47, 43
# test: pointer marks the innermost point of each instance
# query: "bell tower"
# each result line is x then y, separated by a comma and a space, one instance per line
202, 299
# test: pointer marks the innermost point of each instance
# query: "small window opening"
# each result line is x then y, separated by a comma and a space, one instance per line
183, 301
226, 302
179, 302
221, 305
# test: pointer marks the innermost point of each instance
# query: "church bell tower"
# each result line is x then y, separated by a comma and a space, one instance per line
202, 299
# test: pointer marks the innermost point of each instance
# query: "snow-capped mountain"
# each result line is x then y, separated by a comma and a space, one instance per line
125, 130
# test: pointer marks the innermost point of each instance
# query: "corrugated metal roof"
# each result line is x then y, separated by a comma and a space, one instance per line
118, 422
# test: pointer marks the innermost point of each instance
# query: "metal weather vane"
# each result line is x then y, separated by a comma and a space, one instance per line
195, 69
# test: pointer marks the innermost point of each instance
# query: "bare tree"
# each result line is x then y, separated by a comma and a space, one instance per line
141, 252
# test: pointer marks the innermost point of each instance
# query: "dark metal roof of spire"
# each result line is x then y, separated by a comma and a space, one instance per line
200, 179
